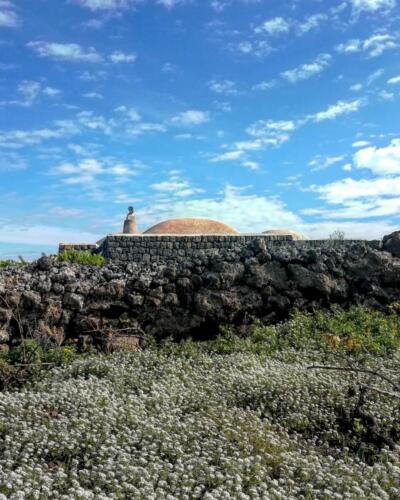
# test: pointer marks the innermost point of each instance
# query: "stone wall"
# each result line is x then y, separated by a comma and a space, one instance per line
80, 247
141, 248
190, 295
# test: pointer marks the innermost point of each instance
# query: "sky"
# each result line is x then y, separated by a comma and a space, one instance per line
259, 113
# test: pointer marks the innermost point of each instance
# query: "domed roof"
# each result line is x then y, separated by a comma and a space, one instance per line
190, 226
285, 232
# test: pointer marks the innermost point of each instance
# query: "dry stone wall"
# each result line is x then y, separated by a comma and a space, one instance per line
191, 294
123, 249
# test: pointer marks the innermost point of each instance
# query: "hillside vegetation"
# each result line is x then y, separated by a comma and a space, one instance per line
245, 418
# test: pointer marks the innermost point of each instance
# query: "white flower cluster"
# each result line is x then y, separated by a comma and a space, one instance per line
147, 426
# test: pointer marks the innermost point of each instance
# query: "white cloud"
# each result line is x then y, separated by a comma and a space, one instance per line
308, 70
121, 57
141, 128
104, 5
275, 26
381, 161
169, 68
121, 170
313, 22
362, 209
129, 113
117, 6
320, 162
87, 170
257, 48
51, 91
65, 52
377, 44
225, 87
251, 165
93, 95
349, 189
223, 106
375, 76
360, 144
252, 145
335, 110
218, 5
275, 133
265, 85
170, 3
78, 149
265, 133
249, 213
176, 187
11, 160
228, 156
15, 139
29, 90
357, 87
91, 121
373, 46
46, 235
394, 81
244, 212
386, 96
8, 16
88, 166
66, 212
352, 229
262, 127
91, 76
372, 5
191, 117
353, 45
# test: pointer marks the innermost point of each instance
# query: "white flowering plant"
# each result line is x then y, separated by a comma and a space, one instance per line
166, 425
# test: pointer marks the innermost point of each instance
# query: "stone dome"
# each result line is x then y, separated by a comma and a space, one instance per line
285, 232
191, 226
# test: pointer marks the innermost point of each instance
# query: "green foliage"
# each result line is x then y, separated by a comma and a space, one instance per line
28, 363
28, 352
85, 258
8, 263
60, 355
357, 332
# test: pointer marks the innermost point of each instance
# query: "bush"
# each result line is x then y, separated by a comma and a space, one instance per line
8, 262
28, 352
60, 355
85, 258
357, 332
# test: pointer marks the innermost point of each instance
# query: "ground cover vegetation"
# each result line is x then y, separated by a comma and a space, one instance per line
79, 257
309, 408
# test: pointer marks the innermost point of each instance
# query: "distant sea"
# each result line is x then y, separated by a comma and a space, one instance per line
27, 252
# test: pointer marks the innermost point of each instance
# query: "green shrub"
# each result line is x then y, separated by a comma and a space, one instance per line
86, 258
357, 332
28, 352
60, 355
6, 263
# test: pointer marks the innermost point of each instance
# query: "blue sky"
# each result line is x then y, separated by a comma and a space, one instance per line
260, 113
